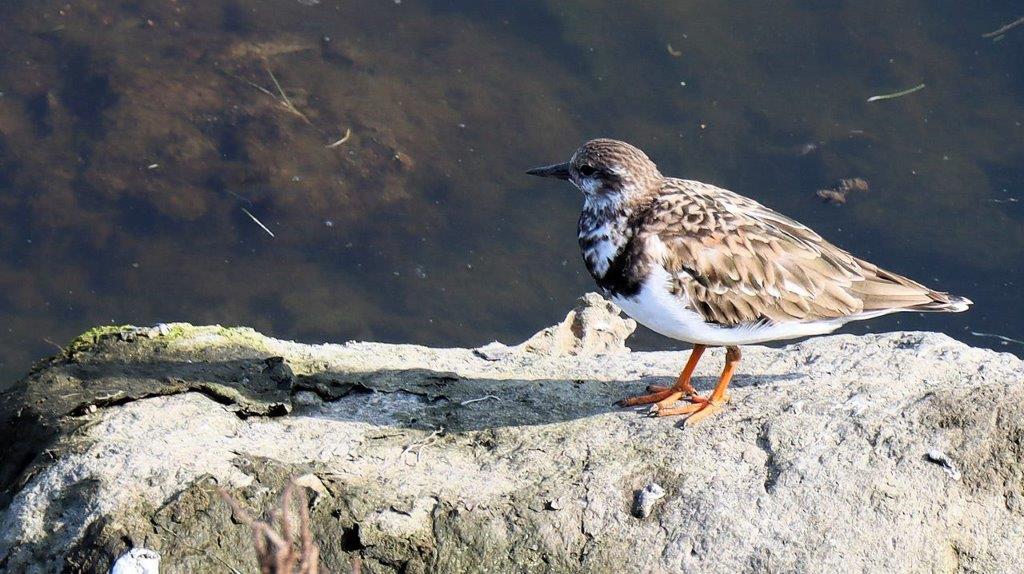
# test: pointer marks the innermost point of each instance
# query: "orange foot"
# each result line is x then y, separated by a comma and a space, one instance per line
700, 409
666, 396
663, 399
659, 397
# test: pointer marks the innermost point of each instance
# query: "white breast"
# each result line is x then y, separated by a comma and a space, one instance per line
669, 314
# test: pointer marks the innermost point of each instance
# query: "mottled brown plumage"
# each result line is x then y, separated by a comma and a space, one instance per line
738, 261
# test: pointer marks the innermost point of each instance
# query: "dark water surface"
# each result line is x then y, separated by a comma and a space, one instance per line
133, 134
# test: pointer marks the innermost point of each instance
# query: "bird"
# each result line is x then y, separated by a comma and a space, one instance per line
709, 267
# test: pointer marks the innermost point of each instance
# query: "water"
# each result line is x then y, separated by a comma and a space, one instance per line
132, 135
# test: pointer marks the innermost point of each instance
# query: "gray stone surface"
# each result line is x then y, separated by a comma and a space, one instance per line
899, 452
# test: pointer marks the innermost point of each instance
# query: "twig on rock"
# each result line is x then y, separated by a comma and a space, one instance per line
421, 443
276, 552
484, 398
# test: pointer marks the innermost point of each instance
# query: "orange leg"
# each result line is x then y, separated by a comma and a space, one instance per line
704, 408
669, 395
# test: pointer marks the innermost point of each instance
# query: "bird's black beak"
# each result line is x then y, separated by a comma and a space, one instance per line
560, 170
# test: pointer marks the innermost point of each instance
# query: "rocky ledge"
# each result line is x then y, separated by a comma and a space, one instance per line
884, 453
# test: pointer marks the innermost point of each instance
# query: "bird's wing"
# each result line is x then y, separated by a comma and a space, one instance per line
738, 262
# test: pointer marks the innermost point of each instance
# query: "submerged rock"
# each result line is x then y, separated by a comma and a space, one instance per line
836, 454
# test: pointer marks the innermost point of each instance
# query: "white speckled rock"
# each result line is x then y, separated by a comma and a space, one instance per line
137, 561
899, 452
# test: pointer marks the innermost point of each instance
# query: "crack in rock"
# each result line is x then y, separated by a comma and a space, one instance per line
772, 470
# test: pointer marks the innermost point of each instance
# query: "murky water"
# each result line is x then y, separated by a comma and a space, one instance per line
383, 144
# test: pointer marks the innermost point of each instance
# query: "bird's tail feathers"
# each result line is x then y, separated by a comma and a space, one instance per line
882, 290
953, 304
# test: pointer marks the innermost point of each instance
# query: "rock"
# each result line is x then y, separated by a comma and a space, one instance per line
137, 561
835, 454
646, 498
493, 351
940, 458
594, 326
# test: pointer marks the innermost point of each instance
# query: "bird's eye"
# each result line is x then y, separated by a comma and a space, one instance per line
587, 170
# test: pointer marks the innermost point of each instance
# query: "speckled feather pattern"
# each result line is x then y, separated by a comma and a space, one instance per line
729, 259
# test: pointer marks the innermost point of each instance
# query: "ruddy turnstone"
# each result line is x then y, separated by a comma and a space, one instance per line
707, 266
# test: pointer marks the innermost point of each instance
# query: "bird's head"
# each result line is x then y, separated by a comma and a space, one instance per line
607, 171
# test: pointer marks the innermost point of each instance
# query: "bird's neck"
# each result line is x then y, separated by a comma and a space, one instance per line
626, 198
606, 233
603, 232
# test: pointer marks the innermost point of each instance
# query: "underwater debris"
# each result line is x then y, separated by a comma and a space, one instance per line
996, 34
1002, 338
806, 148
344, 138
258, 222
896, 94
836, 194
285, 101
